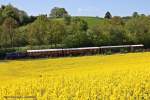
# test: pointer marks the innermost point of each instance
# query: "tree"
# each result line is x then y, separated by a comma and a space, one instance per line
44, 31
143, 15
117, 35
9, 11
80, 39
135, 14
21, 38
79, 24
99, 36
38, 31
1, 17
9, 26
1, 39
57, 12
139, 30
108, 15
56, 33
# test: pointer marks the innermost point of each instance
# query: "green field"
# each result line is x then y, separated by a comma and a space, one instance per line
100, 77
92, 21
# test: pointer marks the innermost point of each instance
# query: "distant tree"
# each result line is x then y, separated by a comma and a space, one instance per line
139, 30
10, 11
3, 7
79, 24
77, 33
135, 14
1, 17
108, 15
9, 26
1, 38
99, 36
143, 15
117, 35
21, 38
38, 31
80, 39
44, 31
56, 32
57, 12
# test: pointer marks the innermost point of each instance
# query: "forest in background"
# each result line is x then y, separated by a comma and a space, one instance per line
61, 30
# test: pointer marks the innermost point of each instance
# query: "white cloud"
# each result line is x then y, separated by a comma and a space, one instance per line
88, 11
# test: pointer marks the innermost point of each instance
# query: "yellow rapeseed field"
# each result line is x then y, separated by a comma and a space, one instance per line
112, 77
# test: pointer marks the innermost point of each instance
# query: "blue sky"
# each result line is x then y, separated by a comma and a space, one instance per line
83, 7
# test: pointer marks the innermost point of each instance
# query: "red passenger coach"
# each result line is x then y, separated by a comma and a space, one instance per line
82, 51
63, 52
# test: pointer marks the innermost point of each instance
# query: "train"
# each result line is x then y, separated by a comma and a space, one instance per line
46, 53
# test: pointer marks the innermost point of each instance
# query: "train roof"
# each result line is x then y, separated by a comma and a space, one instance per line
121, 46
86, 48
46, 50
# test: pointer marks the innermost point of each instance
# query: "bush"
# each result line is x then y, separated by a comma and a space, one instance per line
79, 39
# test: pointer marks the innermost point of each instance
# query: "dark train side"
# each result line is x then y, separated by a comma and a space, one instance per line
46, 53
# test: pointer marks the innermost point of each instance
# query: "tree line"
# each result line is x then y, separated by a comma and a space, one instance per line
60, 30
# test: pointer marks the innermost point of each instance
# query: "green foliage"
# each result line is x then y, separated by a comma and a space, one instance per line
117, 20
38, 31
80, 39
67, 20
9, 11
44, 31
21, 37
92, 21
135, 14
79, 24
108, 15
17, 29
8, 31
57, 12
98, 36
139, 28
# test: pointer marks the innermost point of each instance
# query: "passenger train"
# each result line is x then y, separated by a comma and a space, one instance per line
45, 53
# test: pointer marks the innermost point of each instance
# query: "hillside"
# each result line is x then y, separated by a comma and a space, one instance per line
92, 21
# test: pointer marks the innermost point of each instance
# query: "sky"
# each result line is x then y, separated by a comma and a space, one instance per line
83, 7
